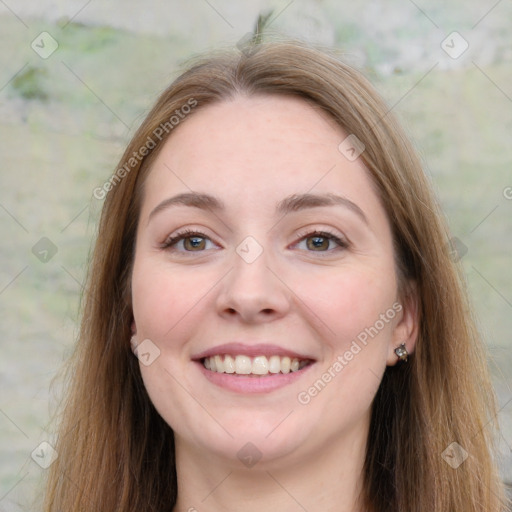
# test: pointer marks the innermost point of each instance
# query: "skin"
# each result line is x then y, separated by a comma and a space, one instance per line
251, 153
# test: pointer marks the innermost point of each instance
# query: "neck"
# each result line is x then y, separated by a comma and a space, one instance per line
329, 480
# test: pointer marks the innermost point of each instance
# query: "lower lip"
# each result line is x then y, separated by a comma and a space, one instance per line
250, 384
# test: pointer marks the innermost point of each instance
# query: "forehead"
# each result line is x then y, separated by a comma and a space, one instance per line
252, 151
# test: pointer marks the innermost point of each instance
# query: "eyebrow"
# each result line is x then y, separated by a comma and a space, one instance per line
293, 203
298, 202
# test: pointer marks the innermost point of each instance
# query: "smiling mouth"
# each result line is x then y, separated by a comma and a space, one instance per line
259, 366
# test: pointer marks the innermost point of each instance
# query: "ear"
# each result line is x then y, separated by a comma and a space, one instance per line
407, 324
133, 339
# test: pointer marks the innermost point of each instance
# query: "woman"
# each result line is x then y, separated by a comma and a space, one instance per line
273, 320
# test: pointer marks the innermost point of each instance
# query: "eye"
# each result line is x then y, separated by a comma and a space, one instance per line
322, 241
193, 241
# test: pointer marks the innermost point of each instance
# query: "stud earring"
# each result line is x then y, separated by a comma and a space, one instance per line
401, 352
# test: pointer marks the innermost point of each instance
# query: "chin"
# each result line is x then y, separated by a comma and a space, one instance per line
252, 438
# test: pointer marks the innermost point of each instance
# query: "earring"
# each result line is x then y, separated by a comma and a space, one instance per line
401, 352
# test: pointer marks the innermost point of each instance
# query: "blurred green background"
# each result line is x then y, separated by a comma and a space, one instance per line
76, 79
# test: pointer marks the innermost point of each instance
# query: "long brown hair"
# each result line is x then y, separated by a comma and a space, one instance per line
116, 452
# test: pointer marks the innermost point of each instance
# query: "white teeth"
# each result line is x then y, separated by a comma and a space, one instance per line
274, 364
219, 364
259, 365
243, 365
229, 364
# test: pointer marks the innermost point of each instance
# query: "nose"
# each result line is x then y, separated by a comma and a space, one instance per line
253, 292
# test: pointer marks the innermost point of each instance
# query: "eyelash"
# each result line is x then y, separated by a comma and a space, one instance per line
342, 243
188, 233
182, 235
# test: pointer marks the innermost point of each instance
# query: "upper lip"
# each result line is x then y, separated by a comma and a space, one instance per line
253, 350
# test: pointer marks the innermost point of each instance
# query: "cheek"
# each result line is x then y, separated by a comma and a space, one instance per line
349, 301
167, 306
164, 299
357, 308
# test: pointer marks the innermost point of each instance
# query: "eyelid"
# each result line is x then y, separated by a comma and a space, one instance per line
186, 233
311, 231
340, 239
182, 235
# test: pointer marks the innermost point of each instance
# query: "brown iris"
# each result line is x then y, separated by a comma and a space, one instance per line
317, 242
194, 242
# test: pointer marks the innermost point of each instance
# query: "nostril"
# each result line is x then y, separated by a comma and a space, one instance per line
250, 314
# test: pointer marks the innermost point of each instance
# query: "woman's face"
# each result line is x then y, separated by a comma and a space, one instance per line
272, 321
